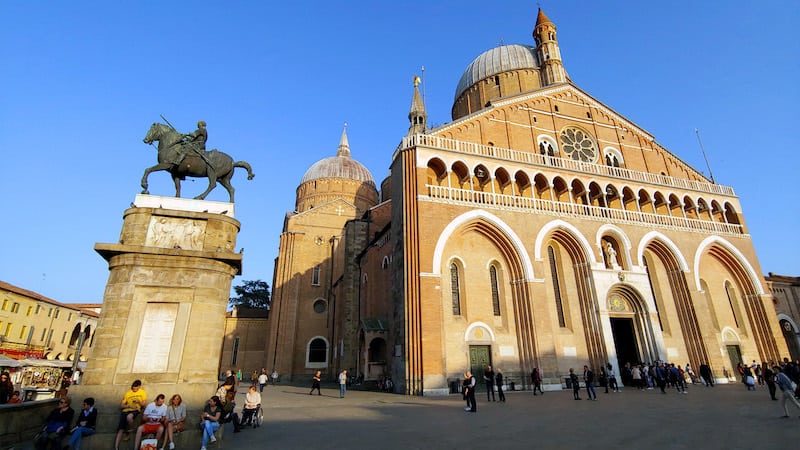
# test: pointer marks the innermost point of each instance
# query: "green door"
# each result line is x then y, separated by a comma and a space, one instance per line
479, 357
735, 355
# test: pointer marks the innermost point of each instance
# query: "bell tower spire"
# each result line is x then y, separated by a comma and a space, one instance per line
417, 117
344, 145
544, 33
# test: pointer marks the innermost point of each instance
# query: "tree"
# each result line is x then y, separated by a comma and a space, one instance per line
251, 294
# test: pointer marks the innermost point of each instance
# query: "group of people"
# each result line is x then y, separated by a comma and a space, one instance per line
491, 378
260, 379
156, 417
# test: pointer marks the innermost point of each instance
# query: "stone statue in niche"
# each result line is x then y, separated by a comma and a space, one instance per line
611, 256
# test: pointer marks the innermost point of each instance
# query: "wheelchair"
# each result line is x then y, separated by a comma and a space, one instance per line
255, 419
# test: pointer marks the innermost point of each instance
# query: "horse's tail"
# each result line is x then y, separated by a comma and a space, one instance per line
245, 165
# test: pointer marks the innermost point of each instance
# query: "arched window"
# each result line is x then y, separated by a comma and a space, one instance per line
455, 290
495, 291
546, 148
556, 286
317, 353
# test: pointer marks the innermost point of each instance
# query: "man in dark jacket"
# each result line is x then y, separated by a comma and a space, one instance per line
488, 378
588, 378
85, 425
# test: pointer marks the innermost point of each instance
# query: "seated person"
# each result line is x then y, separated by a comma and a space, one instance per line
210, 421
56, 426
85, 425
131, 405
226, 394
14, 398
152, 420
251, 402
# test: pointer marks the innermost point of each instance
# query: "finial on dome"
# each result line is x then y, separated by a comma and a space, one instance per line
344, 146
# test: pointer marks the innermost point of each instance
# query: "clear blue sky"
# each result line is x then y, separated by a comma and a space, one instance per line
81, 82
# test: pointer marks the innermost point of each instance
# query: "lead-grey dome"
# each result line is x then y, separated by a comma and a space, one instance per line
339, 166
497, 60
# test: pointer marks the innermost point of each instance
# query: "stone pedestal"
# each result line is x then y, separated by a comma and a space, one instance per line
163, 314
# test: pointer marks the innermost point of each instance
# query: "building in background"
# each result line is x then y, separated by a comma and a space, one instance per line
539, 228
786, 291
33, 326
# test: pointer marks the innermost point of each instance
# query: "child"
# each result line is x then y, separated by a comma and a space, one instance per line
576, 385
15, 398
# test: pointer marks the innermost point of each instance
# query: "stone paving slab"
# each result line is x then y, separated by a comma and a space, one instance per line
723, 417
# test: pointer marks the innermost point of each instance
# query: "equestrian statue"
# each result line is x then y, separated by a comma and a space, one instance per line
185, 155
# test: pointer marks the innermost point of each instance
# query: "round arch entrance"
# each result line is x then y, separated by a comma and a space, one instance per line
632, 335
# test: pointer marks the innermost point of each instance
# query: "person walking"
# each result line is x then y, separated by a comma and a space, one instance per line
769, 378
342, 383
498, 378
469, 392
262, 379
536, 380
315, 382
488, 378
787, 390
588, 378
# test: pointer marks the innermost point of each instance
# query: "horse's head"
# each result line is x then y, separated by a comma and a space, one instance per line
153, 134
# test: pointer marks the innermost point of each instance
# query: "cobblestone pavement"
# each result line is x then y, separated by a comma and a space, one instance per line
723, 417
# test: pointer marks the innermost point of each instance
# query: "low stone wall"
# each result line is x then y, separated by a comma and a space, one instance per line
19, 423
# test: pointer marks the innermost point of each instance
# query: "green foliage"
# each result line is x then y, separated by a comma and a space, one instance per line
251, 294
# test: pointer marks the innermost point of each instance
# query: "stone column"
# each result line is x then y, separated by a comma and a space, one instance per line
163, 314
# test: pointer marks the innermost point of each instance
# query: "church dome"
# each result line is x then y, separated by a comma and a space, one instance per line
339, 166
495, 61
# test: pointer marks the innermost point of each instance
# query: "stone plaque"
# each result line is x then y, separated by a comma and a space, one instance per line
155, 340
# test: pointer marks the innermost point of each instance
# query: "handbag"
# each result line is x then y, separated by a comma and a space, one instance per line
179, 427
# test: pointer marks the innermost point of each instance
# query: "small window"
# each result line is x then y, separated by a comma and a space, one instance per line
38, 308
455, 290
44, 334
315, 276
5, 305
9, 327
495, 290
320, 306
50, 312
235, 355
555, 108
22, 331
15, 307
69, 318
57, 311
30, 311
64, 337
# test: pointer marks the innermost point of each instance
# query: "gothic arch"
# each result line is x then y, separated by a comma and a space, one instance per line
740, 258
749, 289
655, 235
503, 229
559, 224
582, 258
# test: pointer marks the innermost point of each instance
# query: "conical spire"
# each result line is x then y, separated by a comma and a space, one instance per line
417, 117
542, 18
344, 146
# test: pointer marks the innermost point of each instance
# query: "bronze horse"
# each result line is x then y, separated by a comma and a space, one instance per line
215, 165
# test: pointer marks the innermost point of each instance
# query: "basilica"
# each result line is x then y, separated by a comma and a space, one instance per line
537, 229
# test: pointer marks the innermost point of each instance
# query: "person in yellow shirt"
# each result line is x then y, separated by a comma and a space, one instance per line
132, 404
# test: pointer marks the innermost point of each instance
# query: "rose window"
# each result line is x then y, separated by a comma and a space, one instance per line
578, 145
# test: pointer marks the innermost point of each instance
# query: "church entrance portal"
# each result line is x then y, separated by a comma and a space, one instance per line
480, 356
625, 340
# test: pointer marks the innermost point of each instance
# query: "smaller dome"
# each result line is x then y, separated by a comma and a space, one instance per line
497, 60
338, 167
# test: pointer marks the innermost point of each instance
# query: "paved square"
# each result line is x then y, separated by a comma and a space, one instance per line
723, 417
